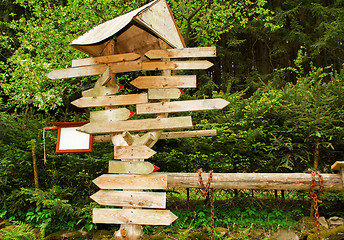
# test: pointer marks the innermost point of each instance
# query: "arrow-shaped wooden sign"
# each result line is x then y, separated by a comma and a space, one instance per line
111, 115
133, 167
181, 106
164, 93
133, 216
167, 135
137, 125
119, 67
182, 53
106, 101
182, 81
93, 70
133, 152
131, 182
176, 65
105, 59
130, 199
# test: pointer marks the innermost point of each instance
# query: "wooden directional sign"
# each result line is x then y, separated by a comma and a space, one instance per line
188, 134
107, 101
176, 65
130, 182
164, 93
137, 125
182, 53
181, 106
117, 114
119, 67
167, 135
93, 70
133, 167
182, 81
105, 59
130, 199
133, 216
133, 152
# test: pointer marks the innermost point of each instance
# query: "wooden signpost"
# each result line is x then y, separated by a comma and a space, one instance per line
132, 51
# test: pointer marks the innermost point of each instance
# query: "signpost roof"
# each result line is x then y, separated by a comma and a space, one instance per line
158, 21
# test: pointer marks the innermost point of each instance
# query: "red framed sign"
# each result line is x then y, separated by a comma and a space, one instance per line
69, 140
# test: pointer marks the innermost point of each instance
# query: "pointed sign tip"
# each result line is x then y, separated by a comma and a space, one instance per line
155, 168
181, 92
131, 113
119, 87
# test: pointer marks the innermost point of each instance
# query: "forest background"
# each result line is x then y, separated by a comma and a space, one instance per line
279, 64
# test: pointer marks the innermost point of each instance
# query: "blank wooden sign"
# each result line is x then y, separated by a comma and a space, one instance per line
130, 182
130, 199
69, 140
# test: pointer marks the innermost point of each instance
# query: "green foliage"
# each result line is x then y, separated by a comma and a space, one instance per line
20, 231
245, 217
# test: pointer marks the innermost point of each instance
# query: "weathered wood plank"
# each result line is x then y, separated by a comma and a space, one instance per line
167, 135
131, 182
118, 140
99, 91
106, 101
182, 53
105, 78
162, 93
337, 165
93, 70
130, 199
111, 115
181, 106
133, 216
188, 134
176, 65
278, 181
132, 167
105, 59
133, 152
182, 81
137, 125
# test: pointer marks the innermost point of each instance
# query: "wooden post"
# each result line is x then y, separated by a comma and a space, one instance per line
34, 163
261, 181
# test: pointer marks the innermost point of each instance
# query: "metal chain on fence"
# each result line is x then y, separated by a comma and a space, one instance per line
315, 195
204, 192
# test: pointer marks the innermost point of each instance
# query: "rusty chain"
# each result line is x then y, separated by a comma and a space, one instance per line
204, 192
315, 195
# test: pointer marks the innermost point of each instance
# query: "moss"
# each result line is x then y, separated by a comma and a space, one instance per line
198, 235
326, 233
159, 236
306, 223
